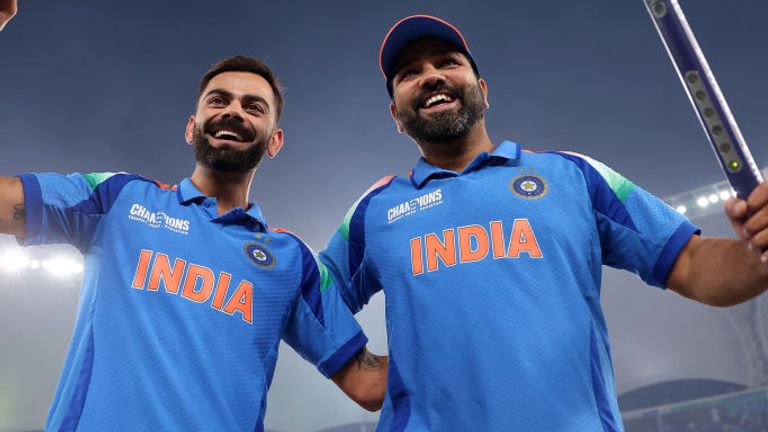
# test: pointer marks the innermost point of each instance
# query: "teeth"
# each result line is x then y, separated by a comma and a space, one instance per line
226, 133
437, 98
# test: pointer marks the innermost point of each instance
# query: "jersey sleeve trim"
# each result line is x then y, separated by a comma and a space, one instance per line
672, 250
33, 206
335, 362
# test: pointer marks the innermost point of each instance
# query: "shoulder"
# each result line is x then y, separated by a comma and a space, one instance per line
118, 180
357, 210
312, 267
595, 173
294, 238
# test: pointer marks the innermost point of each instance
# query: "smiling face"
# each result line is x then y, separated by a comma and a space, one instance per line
235, 123
437, 97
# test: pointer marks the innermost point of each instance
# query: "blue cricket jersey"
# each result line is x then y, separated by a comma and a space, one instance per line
492, 285
181, 310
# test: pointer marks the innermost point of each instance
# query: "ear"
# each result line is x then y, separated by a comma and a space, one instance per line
393, 113
189, 130
484, 88
275, 143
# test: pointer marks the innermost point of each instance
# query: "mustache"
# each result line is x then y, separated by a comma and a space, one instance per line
230, 124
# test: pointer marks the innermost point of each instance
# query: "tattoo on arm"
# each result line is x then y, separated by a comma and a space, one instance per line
366, 360
18, 212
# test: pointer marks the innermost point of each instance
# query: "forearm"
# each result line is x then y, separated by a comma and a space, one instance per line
364, 379
12, 216
718, 272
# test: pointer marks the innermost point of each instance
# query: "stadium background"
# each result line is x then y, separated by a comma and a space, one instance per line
97, 86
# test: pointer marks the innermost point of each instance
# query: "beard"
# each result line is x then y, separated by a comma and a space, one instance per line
227, 160
447, 125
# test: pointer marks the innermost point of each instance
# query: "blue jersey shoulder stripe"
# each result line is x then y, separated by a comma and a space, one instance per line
606, 199
356, 228
311, 279
105, 193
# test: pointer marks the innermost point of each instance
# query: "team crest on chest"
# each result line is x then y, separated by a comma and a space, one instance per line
260, 255
529, 186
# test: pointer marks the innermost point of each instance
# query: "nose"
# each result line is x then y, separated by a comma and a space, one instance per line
431, 77
234, 111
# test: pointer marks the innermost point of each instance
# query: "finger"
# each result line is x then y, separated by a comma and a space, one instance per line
758, 199
759, 241
736, 210
757, 222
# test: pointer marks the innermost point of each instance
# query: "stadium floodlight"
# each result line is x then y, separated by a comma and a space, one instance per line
62, 267
14, 261
701, 202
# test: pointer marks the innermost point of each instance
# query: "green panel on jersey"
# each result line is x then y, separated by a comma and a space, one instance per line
95, 179
325, 276
618, 184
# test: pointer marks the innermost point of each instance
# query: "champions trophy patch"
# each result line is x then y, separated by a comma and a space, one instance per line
260, 255
529, 186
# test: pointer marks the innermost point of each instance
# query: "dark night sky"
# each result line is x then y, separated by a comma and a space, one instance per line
108, 86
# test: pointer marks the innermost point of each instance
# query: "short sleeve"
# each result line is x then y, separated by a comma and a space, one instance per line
638, 231
321, 327
68, 208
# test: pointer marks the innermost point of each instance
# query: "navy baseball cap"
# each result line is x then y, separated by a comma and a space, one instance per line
416, 27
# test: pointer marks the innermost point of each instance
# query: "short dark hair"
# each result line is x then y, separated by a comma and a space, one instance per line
240, 63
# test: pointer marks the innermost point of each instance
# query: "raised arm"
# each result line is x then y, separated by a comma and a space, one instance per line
725, 272
12, 206
8, 9
364, 379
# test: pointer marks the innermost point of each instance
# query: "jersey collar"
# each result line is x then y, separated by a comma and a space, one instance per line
506, 151
189, 193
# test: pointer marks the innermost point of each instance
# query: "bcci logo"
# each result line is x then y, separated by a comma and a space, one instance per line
260, 255
529, 186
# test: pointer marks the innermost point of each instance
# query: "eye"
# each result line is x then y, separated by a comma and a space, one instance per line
449, 62
217, 101
256, 107
407, 73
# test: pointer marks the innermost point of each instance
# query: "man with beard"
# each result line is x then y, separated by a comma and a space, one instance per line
187, 289
490, 258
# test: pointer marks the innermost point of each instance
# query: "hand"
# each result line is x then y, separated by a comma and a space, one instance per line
753, 230
8, 9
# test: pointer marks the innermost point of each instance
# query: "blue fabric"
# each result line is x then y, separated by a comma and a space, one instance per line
401, 403
492, 284
670, 251
33, 200
604, 200
181, 310
357, 229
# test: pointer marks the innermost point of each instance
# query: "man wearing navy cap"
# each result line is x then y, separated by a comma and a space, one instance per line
490, 258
